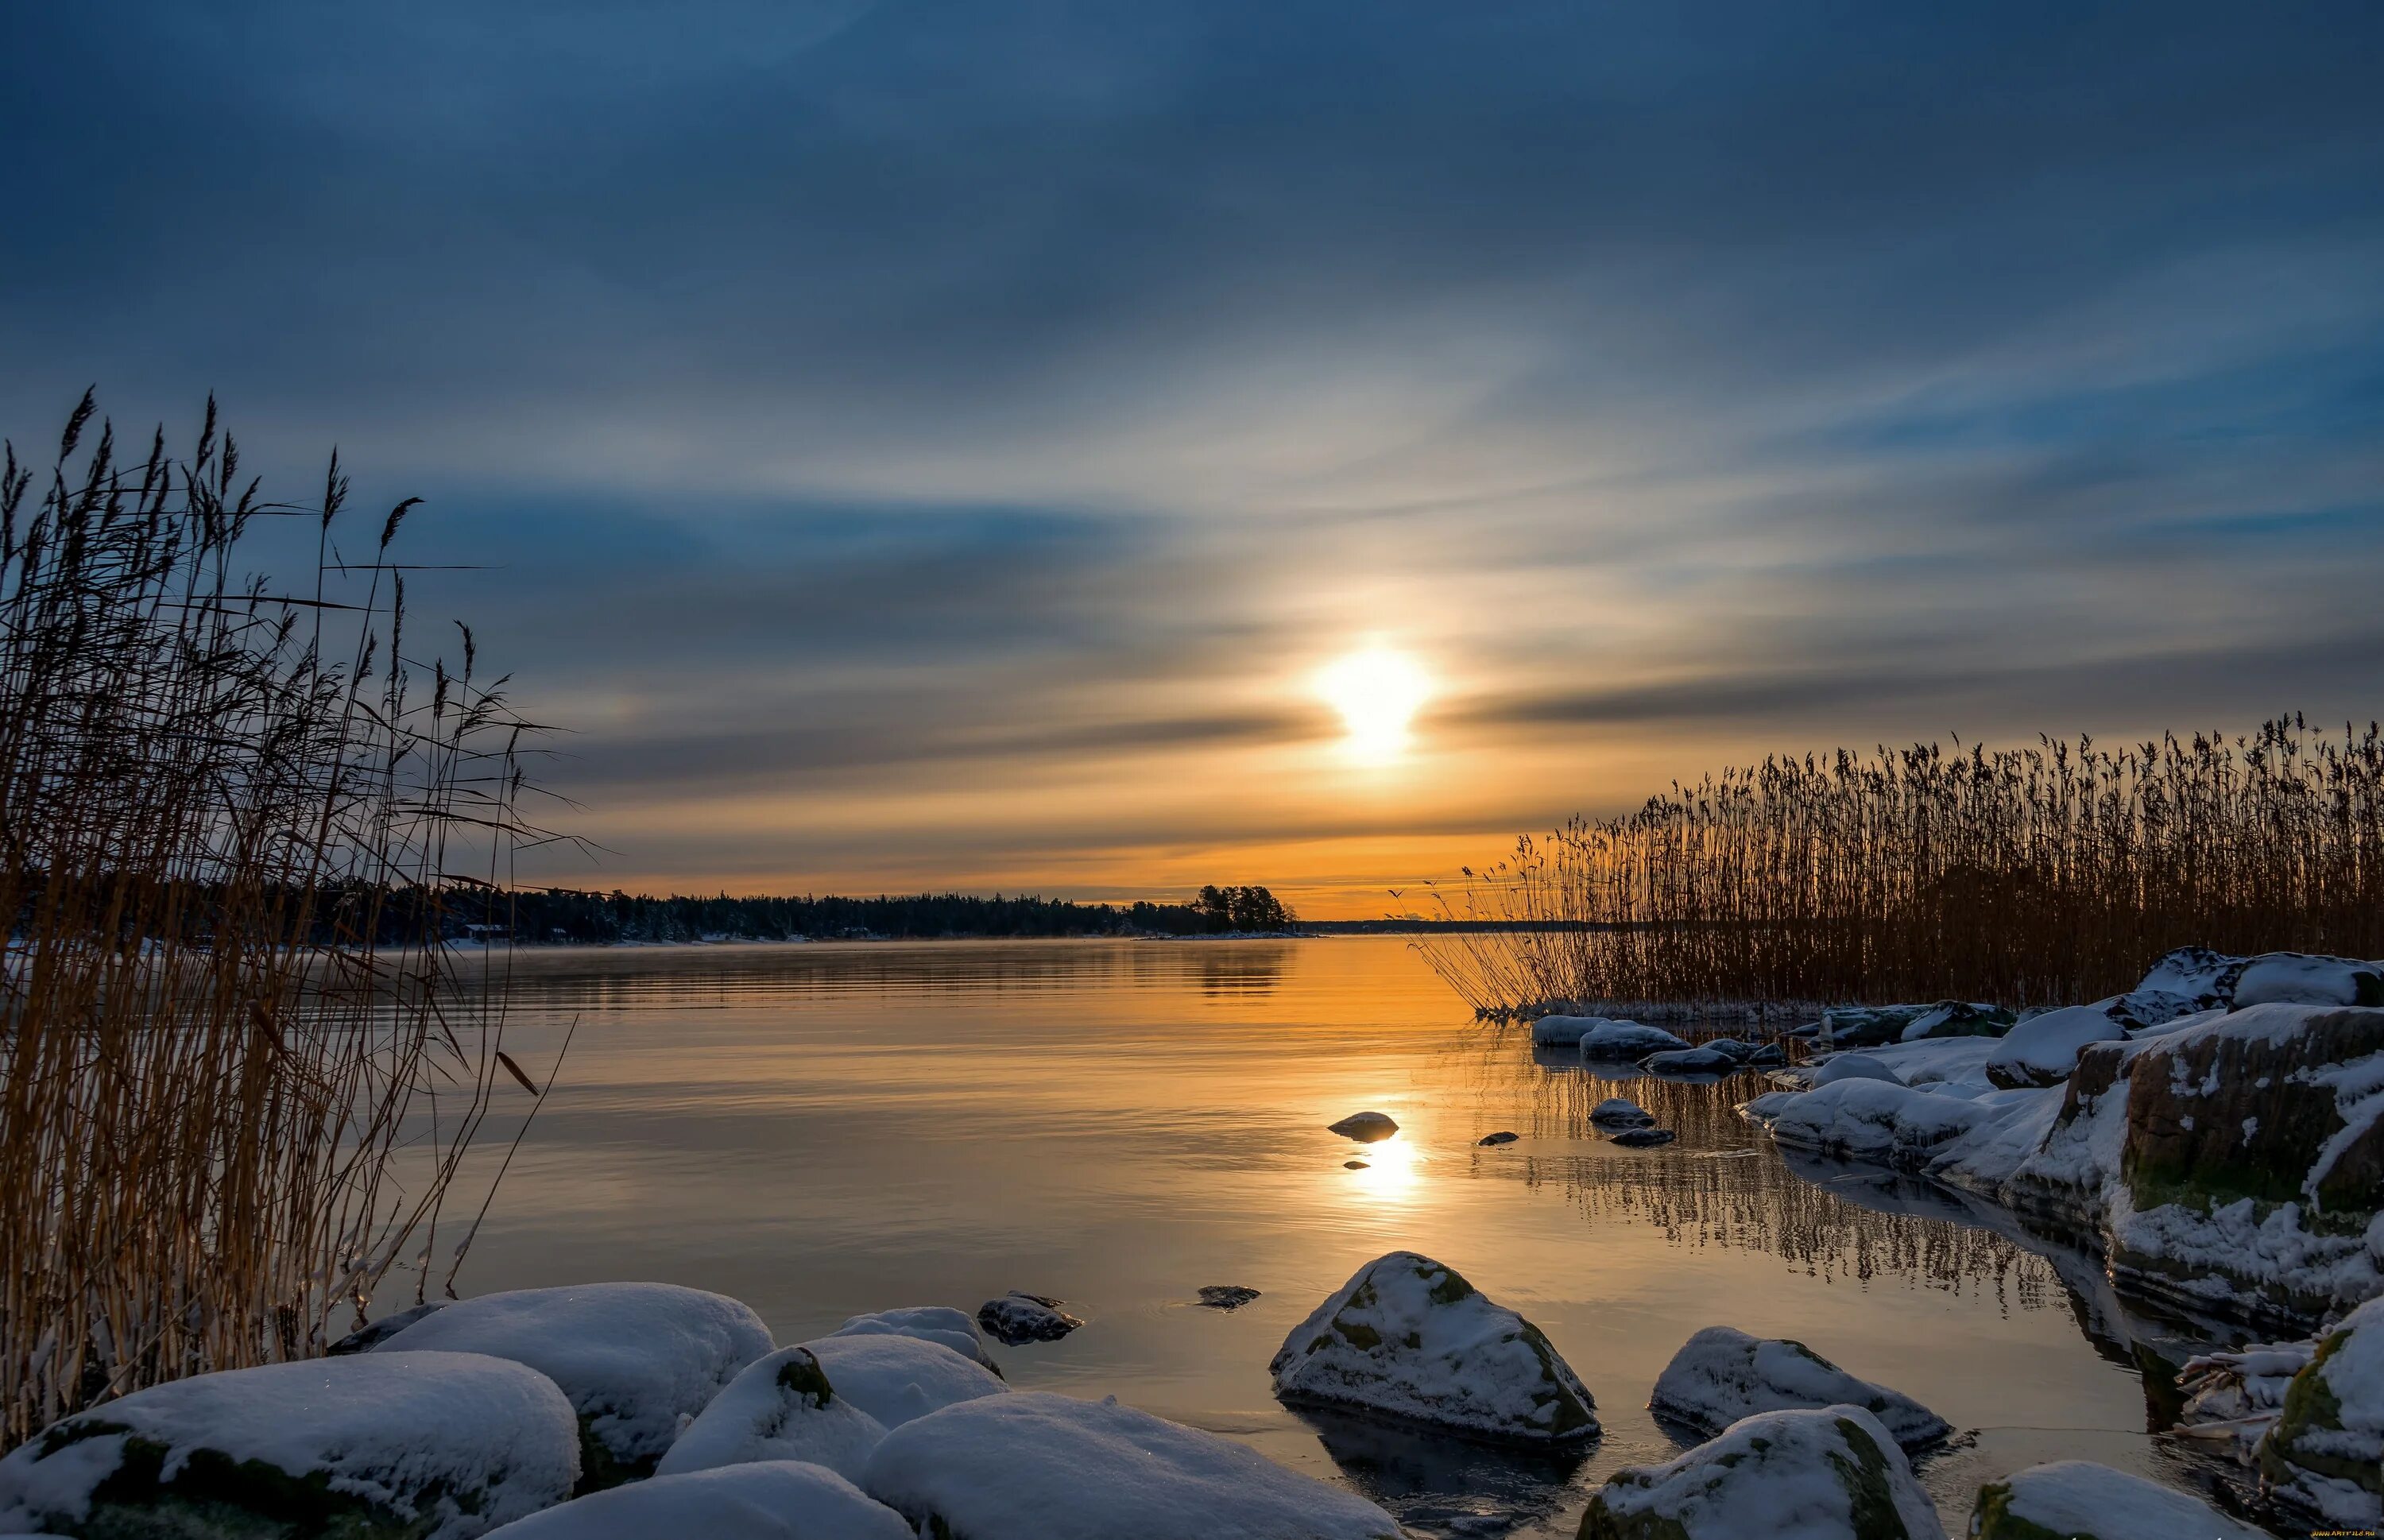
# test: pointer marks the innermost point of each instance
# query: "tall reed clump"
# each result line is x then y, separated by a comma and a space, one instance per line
237, 1071
2035, 876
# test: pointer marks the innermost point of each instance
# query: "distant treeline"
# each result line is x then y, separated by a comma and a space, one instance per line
558, 915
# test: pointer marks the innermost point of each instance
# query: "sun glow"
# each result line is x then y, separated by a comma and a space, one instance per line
1377, 691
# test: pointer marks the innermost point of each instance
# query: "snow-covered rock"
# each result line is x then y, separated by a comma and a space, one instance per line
1689, 1060
775, 1499
442, 1446
1033, 1466
938, 1323
2233, 1396
1872, 1026
1871, 1120
1741, 1052
633, 1359
2323, 1456
1631, 1040
1834, 1474
1722, 1374
1617, 1112
1852, 1067
2043, 1049
1365, 1127
1562, 1031
783, 1407
2213, 980
1018, 1318
895, 1379
1409, 1337
2077, 1501
1957, 1018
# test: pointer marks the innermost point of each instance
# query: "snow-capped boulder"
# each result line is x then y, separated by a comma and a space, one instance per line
1741, 1052
441, 1446
1631, 1040
1957, 1018
1562, 1031
1365, 1127
783, 1407
1863, 1025
2043, 1049
1689, 1060
2212, 980
1018, 1318
938, 1324
1617, 1112
633, 1359
895, 1379
1851, 1066
2201, 976
1869, 1120
1033, 1466
1722, 1374
1407, 1337
2323, 1456
2078, 1502
1828, 1474
776, 1499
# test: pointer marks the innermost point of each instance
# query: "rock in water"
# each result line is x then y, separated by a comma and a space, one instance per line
373, 1334
1617, 1112
2322, 1457
2072, 1498
1033, 1466
767, 1500
1631, 1040
1226, 1296
1689, 1060
938, 1323
781, 1407
1566, 1031
1643, 1139
1831, 1475
1357, 1165
1365, 1127
1502, 1137
441, 1446
1018, 1318
1852, 1067
2043, 1050
1407, 1337
1722, 1374
633, 1359
895, 1379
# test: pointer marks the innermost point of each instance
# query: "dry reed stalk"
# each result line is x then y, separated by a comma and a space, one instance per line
227, 1018
2036, 876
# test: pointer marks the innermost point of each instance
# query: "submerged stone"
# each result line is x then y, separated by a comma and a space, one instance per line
1018, 1318
1502, 1137
2075, 1500
1226, 1296
1407, 1337
1642, 1138
1722, 1374
380, 1445
1829, 1474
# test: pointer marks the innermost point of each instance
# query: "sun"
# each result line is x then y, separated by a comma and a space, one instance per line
1377, 691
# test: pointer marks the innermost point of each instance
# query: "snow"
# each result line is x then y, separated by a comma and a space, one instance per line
1620, 1112
1853, 1066
632, 1358
1632, 1040
1722, 1374
1018, 1318
1689, 1060
2235, 1396
782, 1407
2325, 1455
2295, 978
1873, 1120
1954, 1018
2094, 1502
1407, 1337
941, 1324
895, 1379
769, 1500
458, 1444
1566, 1031
2043, 1050
2198, 974
1783, 1475
1033, 1466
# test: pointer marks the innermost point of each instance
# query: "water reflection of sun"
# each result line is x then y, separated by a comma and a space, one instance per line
1391, 1171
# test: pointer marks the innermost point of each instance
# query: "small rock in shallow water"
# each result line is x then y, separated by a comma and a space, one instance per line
1365, 1127
1642, 1138
1620, 1113
1019, 1318
1689, 1060
1355, 1165
2094, 1502
1226, 1296
1502, 1137
1722, 1374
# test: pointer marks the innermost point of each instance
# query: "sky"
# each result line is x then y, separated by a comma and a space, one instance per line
942, 445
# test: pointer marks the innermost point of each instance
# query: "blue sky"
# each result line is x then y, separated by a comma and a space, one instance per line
927, 443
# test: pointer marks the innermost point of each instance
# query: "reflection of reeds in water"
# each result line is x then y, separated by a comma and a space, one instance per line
228, 818
1721, 1184
2038, 876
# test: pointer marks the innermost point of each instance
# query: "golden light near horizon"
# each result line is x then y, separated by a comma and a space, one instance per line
1377, 690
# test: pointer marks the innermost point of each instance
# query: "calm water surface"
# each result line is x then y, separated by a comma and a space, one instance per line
823, 1130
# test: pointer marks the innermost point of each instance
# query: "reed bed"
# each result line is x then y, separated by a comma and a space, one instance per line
238, 1072
2036, 876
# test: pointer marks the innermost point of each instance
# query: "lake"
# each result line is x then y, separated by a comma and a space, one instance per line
825, 1129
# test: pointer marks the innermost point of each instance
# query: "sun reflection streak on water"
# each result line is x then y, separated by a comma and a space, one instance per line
1391, 1174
